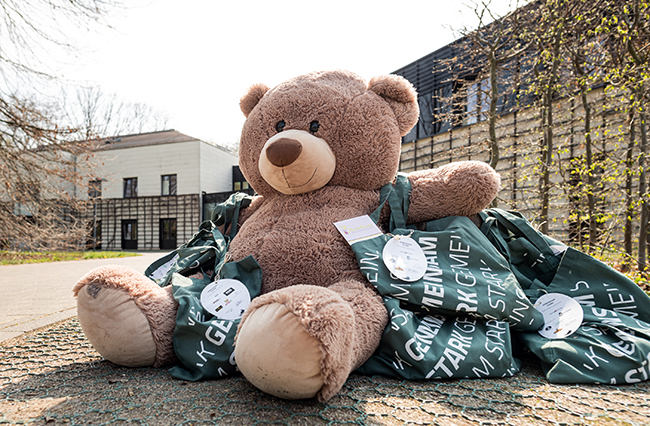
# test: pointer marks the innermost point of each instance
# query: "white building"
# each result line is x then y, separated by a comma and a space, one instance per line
149, 189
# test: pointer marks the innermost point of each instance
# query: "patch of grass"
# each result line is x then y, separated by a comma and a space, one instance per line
8, 257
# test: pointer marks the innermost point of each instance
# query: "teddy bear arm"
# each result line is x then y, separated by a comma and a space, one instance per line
458, 189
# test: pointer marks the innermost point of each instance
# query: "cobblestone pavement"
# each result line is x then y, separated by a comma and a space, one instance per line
53, 376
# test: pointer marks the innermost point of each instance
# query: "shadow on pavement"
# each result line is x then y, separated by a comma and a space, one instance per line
53, 376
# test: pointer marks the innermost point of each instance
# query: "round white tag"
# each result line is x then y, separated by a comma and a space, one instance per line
562, 315
404, 258
226, 299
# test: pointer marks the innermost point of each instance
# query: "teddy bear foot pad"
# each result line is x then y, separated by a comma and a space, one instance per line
292, 349
127, 318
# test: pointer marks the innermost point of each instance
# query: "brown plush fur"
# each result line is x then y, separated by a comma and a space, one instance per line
456, 189
310, 275
358, 124
307, 266
156, 303
324, 313
294, 240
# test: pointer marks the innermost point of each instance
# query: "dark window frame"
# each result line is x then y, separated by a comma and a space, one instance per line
168, 233
172, 185
130, 187
129, 234
239, 182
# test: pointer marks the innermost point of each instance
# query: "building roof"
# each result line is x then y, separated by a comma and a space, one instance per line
145, 139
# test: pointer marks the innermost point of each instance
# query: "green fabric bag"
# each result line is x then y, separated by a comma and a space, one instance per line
609, 348
203, 343
206, 248
467, 285
434, 346
465, 274
612, 345
530, 254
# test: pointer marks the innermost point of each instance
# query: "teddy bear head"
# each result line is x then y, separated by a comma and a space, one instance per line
325, 128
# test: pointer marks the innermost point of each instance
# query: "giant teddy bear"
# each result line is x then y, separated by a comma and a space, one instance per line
316, 149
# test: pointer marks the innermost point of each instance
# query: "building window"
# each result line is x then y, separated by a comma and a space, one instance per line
95, 189
238, 181
27, 209
130, 187
168, 185
26, 199
478, 100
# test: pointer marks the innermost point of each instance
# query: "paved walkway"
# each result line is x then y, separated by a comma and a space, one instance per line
54, 376
39, 294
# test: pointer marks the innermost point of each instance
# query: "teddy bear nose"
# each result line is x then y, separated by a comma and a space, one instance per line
283, 152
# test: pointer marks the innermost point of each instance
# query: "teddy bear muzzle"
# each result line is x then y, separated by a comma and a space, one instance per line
295, 162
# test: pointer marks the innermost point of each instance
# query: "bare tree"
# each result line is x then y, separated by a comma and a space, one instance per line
98, 114
494, 45
627, 32
39, 162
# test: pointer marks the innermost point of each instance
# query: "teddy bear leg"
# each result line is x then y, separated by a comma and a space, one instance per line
127, 317
304, 341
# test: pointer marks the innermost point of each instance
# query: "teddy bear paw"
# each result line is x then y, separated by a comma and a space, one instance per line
296, 343
126, 317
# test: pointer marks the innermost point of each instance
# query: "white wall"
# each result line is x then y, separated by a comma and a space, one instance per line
148, 163
198, 166
216, 168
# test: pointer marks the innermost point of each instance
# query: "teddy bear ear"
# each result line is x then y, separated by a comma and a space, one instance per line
252, 97
401, 96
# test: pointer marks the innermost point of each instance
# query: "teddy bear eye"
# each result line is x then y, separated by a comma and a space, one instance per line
280, 126
314, 126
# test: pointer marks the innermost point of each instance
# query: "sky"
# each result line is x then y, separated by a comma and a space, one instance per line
194, 60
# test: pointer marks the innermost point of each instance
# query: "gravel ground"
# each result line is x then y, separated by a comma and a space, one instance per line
53, 376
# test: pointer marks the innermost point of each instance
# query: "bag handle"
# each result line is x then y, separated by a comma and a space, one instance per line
489, 229
385, 191
517, 225
398, 200
227, 213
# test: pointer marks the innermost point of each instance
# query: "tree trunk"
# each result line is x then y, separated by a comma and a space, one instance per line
643, 196
629, 173
546, 157
547, 149
591, 205
492, 118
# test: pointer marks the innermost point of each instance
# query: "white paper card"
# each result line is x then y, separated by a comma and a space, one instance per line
226, 299
562, 315
358, 229
159, 273
404, 258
